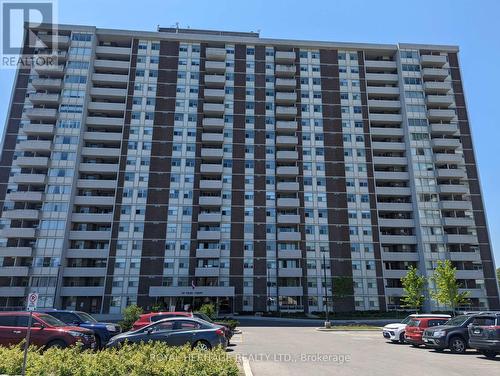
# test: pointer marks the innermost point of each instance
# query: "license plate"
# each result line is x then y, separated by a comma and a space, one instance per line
477, 331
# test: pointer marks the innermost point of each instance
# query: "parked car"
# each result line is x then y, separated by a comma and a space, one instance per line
176, 331
416, 326
484, 334
103, 331
148, 318
452, 335
46, 331
396, 331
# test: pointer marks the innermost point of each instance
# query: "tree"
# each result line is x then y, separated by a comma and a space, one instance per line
446, 286
130, 315
209, 310
341, 287
414, 287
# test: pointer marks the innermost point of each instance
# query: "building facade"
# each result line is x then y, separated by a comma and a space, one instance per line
184, 166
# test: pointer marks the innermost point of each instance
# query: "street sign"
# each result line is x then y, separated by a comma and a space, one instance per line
32, 301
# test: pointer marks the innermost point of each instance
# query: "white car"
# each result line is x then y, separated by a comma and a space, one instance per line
396, 332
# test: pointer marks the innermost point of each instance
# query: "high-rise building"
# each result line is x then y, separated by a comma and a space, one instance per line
191, 165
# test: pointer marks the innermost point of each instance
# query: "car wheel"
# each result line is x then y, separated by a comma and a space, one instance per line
402, 337
489, 354
98, 343
415, 345
60, 344
457, 345
202, 345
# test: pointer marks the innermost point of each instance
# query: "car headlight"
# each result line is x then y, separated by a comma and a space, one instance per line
439, 333
75, 333
111, 328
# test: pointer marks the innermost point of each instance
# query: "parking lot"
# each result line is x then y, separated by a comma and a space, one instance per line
289, 350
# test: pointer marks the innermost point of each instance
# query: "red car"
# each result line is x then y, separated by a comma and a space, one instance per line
46, 331
149, 318
415, 328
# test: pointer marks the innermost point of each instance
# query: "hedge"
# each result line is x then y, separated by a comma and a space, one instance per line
155, 359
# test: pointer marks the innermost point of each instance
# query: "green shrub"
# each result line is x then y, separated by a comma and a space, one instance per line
229, 322
208, 309
152, 359
130, 315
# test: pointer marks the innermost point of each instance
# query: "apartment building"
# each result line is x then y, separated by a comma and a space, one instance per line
184, 166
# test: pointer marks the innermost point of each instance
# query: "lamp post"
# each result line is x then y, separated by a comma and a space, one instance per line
328, 324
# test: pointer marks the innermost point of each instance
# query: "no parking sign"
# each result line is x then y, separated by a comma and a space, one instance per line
32, 301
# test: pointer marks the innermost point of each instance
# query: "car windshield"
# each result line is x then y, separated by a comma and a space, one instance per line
413, 323
203, 316
51, 320
406, 320
457, 321
85, 317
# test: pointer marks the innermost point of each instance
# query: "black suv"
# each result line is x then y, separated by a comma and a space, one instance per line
484, 334
452, 335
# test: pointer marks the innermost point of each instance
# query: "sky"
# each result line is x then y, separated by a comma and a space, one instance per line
472, 25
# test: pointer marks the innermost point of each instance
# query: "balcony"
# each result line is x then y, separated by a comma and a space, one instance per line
438, 114
445, 129
211, 185
210, 201
284, 57
107, 78
465, 256
38, 129
209, 217
213, 123
101, 152
289, 236
35, 179
386, 118
99, 167
47, 83
455, 205
453, 188
286, 126
215, 66
13, 291
14, 271
97, 183
448, 158
43, 114
286, 112
398, 239
393, 191
379, 78
284, 70
31, 161
18, 232
287, 155
285, 83
288, 219
400, 256
385, 91
110, 107
112, 51
395, 206
214, 94
469, 274
386, 222
287, 186
288, 203
92, 217
458, 222
51, 70
290, 272
215, 53
213, 109
433, 60
21, 214
215, 138
207, 272
383, 104
376, 131
390, 161
211, 169
208, 235
287, 171
54, 40
289, 253
108, 92
105, 121
212, 153
44, 98
286, 140
435, 73
82, 291
103, 136
283, 97
395, 274
212, 80
445, 143
391, 175
437, 87
451, 173
389, 146
84, 272
27, 196
86, 235
112, 65
95, 200
384, 64
439, 100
